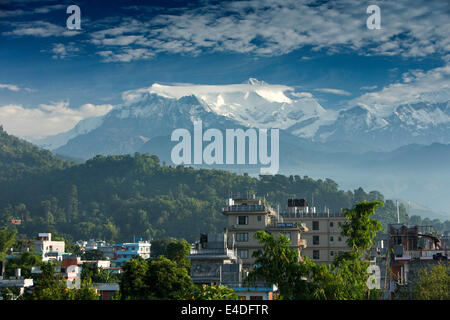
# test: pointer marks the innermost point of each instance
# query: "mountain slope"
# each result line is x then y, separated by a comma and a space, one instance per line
19, 158
422, 123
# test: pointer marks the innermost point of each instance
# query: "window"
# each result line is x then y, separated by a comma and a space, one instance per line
316, 254
315, 225
339, 239
243, 254
242, 220
331, 253
241, 237
331, 224
331, 238
316, 240
256, 298
259, 218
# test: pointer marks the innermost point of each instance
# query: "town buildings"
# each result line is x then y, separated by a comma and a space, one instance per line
127, 251
213, 263
246, 216
50, 250
412, 248
324, 230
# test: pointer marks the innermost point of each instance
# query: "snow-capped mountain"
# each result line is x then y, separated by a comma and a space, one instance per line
126, 129
58, 140
159, 109
252, 104
421, 122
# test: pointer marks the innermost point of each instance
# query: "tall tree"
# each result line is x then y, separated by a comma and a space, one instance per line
7, 238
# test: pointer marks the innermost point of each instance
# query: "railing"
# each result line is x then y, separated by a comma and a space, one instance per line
425, 253
299, 215
211, 251
245, 208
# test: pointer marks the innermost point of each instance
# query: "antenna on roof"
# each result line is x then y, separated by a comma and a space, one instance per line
398, 212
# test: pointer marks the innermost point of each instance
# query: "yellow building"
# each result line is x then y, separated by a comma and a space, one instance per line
324, 237
247, 216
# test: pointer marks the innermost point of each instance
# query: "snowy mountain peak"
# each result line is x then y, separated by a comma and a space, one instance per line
253, 104
255, 82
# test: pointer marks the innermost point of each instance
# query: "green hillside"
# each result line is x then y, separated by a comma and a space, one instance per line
118, 197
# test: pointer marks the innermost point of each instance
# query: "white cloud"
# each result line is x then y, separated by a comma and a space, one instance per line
46, 119
41, 29
334, 91
62, 51
369, 87
15, 88
11, 87
413, 28
126, 55
416, 86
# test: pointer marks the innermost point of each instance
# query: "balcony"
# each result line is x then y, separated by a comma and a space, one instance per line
246, 208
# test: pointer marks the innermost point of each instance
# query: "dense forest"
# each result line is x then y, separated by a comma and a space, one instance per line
117, 197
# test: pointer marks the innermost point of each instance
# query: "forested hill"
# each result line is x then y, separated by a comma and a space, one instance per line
18, 158
118, 197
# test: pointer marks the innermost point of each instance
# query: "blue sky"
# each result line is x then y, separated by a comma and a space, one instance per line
321, 47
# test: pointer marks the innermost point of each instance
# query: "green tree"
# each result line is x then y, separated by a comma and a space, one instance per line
432, 284
178, 251
415, 220
25, 261
159, 246
7, 238
167, 280
134, 285
277, 263
86, 292
219, 292
49, 286
94, 255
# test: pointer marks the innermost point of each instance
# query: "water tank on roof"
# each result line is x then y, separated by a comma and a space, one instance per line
297, 203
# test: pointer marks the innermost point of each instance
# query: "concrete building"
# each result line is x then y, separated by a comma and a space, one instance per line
17, 281
412, 248
247, 216
323, 238
50, 250
127, 251
106, 290
212, 263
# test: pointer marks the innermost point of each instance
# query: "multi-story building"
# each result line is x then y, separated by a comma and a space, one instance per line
213, 263
324, 237
50, 250
127, 251
247, 216
412, 248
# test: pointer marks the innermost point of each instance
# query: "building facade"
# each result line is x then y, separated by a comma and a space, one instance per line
324, 239
245, 217
213, 263
127, 251
50, 250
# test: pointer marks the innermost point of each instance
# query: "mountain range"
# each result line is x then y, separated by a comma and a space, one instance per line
403, 152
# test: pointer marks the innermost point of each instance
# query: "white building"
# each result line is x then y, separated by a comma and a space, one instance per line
127, 251
50, 250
